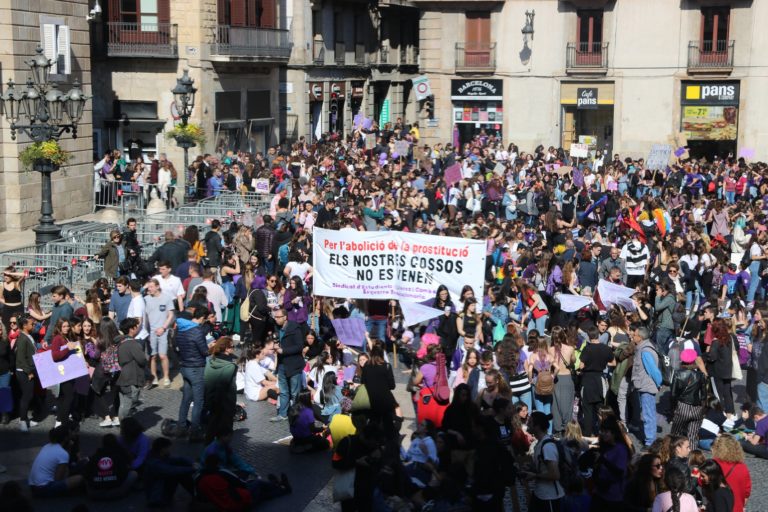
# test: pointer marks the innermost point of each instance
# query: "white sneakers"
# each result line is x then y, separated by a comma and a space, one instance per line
110, 422
166, 382
24, 427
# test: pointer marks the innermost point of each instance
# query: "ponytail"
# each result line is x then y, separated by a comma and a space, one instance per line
220, 345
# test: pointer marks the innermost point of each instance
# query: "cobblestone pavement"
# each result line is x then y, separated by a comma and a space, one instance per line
255, 439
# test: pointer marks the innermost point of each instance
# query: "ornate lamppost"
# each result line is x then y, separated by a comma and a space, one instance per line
184, 97
43, 113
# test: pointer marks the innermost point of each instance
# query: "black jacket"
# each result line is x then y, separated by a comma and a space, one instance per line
173, 251
132, 360
212, 242
265, 241
190, 343
292, 342
720, 358
689, 386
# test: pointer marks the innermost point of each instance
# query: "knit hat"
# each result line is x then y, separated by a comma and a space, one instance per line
688, 356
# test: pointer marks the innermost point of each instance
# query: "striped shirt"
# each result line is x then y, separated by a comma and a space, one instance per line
636, 257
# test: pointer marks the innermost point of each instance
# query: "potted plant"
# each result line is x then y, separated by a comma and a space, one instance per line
189, 135
47, 154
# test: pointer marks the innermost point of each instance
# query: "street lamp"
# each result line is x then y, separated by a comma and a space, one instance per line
45, 113
184, 98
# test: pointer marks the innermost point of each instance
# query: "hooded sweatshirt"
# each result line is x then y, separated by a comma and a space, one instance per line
190, 340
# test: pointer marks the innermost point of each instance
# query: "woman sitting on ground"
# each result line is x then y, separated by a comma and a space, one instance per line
327, 398
305, 432
258, 384
108, 473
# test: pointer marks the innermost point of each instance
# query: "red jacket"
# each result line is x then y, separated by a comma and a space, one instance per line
224, 492
59, 350
737, 477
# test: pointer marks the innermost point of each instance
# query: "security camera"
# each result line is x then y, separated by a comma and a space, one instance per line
95, 13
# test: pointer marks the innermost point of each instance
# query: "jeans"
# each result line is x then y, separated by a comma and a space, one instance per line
706, 444
663, 335
730, 197
539, 324
289, 390
526, 398
762, 395
377, 329
758, 450
754, 280
129, 399
648, 408
610, 222
543, 403
193, 390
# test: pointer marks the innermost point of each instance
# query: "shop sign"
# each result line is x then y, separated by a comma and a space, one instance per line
358, 90
315, 91
477, 89
589, 140
433, 122
710, 93
384, 114
586, 98
710, 123
421, 87
338, 88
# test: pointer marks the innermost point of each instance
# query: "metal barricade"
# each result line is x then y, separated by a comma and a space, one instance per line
127, 196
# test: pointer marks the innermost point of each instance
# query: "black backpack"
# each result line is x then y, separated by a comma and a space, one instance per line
566, 463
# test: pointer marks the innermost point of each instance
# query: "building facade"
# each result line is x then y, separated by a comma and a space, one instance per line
235, 51
619, 75
61, 28
354, 58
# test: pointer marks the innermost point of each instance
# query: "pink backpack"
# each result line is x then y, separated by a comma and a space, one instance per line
442, 389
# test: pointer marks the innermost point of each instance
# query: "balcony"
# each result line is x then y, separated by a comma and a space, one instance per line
383, 57
710, 57
409, 56
475, 57
587, 58
150, 40
251, 44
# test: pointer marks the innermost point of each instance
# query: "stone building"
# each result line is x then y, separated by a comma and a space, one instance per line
619, 75
61, 27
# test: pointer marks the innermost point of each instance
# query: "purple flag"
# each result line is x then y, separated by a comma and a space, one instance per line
578, 177
349, 373
357, 122
350, 331
453, 174
679, 152
52, 372
367, 123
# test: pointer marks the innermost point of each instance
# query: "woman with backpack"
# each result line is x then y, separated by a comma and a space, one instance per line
541, 371
689, 393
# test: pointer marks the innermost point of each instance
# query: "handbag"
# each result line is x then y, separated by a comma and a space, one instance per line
361, 402
735, 366
344, 485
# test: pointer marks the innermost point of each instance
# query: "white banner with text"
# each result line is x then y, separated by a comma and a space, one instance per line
394, 265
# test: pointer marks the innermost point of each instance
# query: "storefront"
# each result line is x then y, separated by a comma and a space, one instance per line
587, 113
316, 109
477, 108
710, 117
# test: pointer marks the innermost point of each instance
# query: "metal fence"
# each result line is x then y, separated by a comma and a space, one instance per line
71, 261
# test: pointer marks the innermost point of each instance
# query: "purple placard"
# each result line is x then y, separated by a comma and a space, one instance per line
578, 177
679, 152
367, 123
349, 373
357, 122
52, 373
350, 331
747, 153
453, 174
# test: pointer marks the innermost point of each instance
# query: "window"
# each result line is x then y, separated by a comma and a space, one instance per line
143, 12
228, 105
247, 13
590, 30
56, 45
258, 105
714, 29
477, 52
317, 23
338, 27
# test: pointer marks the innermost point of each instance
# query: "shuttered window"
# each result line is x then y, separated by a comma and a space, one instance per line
56, 45
247, 13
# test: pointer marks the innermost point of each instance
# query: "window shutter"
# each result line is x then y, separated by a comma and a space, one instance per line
238, 13
268, 14
64, 54
221, 11
114, 10
164, 11
49, 45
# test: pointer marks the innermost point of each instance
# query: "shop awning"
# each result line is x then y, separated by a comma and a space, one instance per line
134, 122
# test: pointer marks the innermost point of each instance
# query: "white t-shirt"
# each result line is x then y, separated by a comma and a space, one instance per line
546, 489
216, 296
663, 503
254, 376
298, 269
43, 470
755, 250
136, 310
172, 286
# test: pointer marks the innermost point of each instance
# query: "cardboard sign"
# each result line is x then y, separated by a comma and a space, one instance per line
499, 169
579, 150
402, 147
659, 156
350, 331
260, 186
453, 174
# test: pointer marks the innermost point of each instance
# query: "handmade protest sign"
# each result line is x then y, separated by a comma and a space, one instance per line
395, 265
350, 331
658, 158
52, 372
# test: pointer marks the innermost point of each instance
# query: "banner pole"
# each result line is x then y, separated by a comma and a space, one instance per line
389, 334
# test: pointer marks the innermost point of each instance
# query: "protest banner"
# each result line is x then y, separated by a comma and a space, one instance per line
51, 372
402, 147
453, 174
499, 169
658, 158
350, 331
260, 185
579, 150
395, 265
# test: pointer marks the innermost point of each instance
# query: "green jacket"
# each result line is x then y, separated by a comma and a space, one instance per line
664, 307
221, 383
623, 354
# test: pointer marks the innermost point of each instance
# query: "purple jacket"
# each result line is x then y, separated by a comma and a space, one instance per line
295, 312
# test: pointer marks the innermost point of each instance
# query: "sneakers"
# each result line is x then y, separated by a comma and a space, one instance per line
115, 421
106, 423
57, 424
151, 383
166, 382
23, 426
278, 419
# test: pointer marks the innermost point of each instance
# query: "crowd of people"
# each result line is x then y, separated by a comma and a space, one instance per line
520, 399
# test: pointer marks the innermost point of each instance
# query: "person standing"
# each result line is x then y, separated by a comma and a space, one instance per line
6, 396
216, 294
289, 362
62, 309
595, 358
170, 285
646, 379
689, 392
132, 361
213, 245
159, 317
120, 300
545, 475
61, 349
664, 305
193, 350
25, 370
113, 253
220, 383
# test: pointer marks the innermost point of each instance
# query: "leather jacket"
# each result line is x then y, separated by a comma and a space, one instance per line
689, 386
